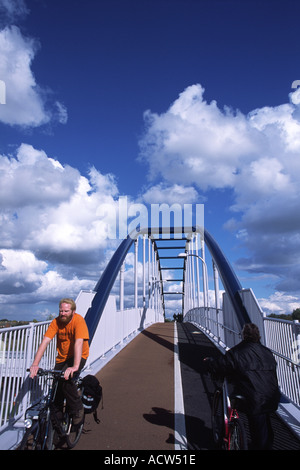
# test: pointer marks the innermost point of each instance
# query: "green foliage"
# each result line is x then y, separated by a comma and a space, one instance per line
295, 315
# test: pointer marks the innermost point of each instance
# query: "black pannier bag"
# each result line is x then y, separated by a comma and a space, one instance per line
91, 395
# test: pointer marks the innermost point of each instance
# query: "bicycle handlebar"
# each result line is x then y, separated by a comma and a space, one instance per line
43, 372
56, 374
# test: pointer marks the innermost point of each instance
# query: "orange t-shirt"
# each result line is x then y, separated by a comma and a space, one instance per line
66, 336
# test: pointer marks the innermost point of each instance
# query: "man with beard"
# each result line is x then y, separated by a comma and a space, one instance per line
72, 352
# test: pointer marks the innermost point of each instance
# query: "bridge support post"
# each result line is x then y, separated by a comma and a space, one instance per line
122, 270
144, 271
216, 284
136, 245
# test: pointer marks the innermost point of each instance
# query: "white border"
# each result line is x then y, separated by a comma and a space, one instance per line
179, 413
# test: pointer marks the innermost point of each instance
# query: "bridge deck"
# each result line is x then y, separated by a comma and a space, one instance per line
138, 386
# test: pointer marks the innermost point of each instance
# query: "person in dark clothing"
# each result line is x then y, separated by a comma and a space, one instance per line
251, 368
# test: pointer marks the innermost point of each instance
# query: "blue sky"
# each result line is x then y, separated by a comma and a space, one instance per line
187, 101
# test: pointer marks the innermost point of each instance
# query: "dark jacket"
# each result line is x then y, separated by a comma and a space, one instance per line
251, 368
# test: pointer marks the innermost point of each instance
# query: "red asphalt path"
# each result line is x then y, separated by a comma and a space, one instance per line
138, 396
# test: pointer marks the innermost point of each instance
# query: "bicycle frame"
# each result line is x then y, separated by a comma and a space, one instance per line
228, 429
38, 415
229, 411
38, 420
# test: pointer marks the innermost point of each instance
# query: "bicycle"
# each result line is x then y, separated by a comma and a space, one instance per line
228, 430
41, 431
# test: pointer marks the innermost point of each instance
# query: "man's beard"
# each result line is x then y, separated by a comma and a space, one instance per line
65, 320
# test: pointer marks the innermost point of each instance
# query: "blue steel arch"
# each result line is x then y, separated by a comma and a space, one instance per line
105, 284
102, 289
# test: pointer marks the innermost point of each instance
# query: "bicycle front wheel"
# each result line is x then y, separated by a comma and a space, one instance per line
38, 437
237, 439
29, 440
49, 443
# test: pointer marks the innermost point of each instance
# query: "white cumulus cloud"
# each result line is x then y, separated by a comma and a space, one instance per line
25, 100
53, 232
256, 156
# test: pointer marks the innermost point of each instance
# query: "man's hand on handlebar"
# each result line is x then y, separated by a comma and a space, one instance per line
68, 374
33, 371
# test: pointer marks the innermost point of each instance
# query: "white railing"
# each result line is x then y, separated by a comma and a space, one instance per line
17, 349
210, 320
283, 338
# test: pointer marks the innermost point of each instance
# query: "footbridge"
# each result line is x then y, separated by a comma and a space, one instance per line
157, 396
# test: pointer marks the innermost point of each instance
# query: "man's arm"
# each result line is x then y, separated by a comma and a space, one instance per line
42, 348
77, 358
